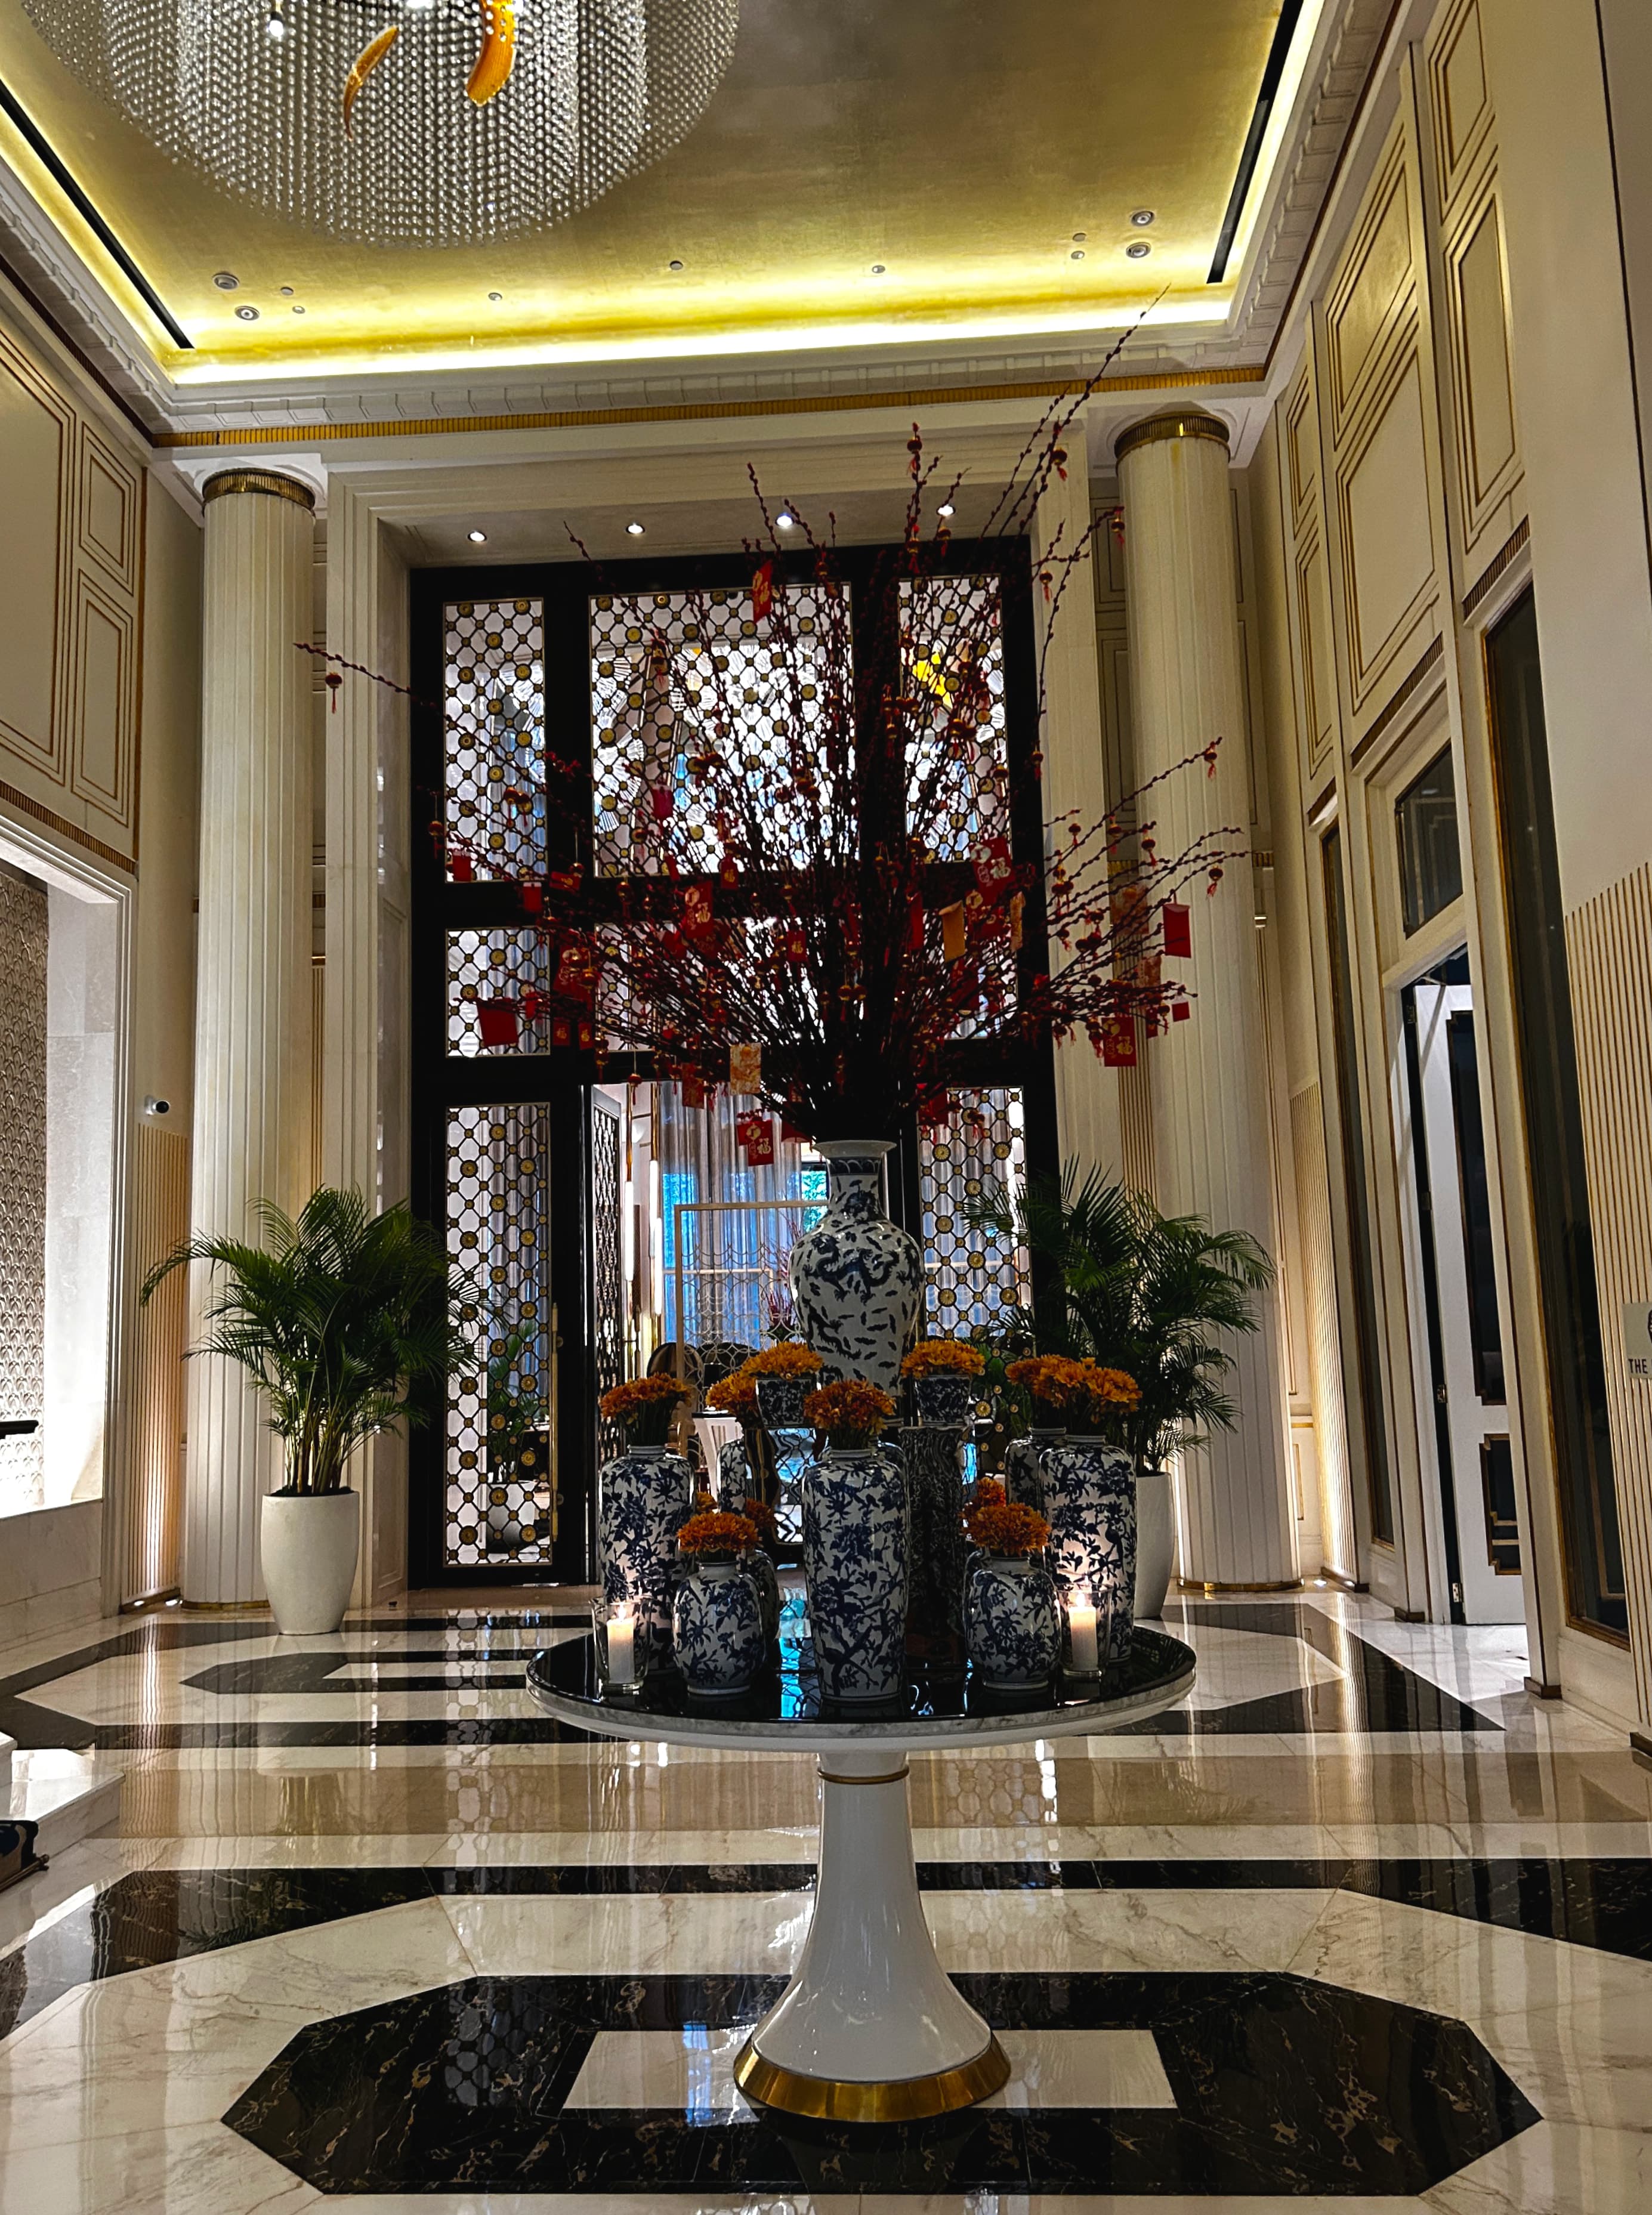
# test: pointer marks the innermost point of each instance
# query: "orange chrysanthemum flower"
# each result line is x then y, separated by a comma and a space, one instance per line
943, 1357
851, 1413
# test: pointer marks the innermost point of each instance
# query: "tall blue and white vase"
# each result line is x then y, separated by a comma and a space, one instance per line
644, 1496
857, 1278
937, 1551
1010, 1618
1023, 1472
855, 1539
717, 1629
1090, 1497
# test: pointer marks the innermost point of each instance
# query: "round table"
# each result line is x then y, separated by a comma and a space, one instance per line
871, 2029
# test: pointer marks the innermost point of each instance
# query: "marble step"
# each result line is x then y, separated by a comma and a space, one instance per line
65, 1796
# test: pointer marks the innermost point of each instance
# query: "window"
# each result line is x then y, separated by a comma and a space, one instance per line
1554, 1125
1430, 857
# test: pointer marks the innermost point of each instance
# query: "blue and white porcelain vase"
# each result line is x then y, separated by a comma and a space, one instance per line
1090, 1496
936, 1551
946, 1399
717, 1628
1023, 1474
644, 1496
857, 1278
1010, 1620
780, 1401
855, 1566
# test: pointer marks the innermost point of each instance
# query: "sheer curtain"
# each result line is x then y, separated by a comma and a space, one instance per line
729, 1226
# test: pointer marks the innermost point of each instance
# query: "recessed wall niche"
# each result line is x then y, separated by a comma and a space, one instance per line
58, 1075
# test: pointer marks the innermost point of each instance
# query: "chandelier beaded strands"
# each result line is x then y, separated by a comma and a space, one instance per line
421, 122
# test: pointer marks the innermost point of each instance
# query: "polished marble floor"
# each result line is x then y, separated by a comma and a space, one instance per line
1363, 1927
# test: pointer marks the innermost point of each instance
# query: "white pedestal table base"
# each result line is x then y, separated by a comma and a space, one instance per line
871, 2028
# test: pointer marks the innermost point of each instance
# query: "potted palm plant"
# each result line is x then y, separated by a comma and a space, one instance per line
348, 1323
1155, 1296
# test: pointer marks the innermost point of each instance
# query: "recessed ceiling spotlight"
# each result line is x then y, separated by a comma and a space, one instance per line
879, 268
287, 291
785, 520
634, 530
1077, 255
945, 508
1079, 236
226, 280
674, 265
248, 314
477, 538
495, 296
298, 308
1142, 218
1138, 250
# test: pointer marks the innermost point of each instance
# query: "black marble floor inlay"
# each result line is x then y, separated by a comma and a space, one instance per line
1282, 2087
154, 1916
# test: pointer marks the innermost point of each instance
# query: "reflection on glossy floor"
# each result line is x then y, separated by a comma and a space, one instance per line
1362, 1928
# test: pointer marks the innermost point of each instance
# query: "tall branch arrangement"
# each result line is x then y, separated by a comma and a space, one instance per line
808, 887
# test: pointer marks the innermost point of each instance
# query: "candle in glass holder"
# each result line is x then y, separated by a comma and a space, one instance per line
621, 1649
1081, 1635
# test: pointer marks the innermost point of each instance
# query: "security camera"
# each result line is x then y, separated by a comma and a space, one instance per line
157, 1106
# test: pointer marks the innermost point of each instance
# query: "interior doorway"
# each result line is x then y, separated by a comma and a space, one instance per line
1461, 1369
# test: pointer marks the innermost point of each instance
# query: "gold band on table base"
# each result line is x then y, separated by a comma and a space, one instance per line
901, 2099
1154, 428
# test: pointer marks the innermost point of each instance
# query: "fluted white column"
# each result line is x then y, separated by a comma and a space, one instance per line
253, 983
1210, 1109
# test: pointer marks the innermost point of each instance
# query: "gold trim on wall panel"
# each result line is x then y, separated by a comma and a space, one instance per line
1431, 659
1459, 96
1318, 648
317, 1075
95, 608
1138, 1165
1501, 562
1374, 290
37, 623
76, 833
1483, 389
159, 1203
1609, 954
1302, 444
119, 555
1311, 1166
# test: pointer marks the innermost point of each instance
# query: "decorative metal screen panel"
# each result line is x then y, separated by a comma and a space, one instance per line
498, 983
23, 932
960, 767
499, 1502
976, 1159
607, 1263
668, 670
493, 694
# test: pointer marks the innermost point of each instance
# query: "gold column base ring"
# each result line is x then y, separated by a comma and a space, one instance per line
904, 2099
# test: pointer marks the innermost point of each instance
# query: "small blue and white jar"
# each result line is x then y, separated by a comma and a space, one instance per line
1023, 1467
1090, 1491
855, 1534
716, 1627
644, 1496
1010, 1622
946, 1400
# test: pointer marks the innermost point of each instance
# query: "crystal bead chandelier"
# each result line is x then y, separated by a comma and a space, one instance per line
425, 122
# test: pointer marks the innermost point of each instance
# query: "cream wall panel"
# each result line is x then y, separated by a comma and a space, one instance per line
1374, 290
36, 433
1319, 654
110, 501
1458, 95
1387, 535
105, 700
1609, 949
159, 1219
1480, 349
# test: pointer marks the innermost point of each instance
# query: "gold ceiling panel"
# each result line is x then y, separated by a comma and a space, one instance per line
959, 143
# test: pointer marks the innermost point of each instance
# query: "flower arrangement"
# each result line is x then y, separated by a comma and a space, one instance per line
711, 1532
647, 1406
785, 1359
1005, 1526
943, 1357
761, 1517
735, 1395
851, 1413
1055, 1384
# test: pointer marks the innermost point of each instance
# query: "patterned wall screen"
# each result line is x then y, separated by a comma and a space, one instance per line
498, 1503
494, 683
22, 1187
961, 789
666, 667
497, 981
976, 1159
608, 1317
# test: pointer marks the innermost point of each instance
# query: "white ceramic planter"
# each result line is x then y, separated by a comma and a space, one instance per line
1155, 1543
307, 1545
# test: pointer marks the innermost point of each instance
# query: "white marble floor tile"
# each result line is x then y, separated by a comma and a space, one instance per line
1083, 2068
631, 1933
686, 2072
1120, 1930
75, 1874
645, 1848
206, 2169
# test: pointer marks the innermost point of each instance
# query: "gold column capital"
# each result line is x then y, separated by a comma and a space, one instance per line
265, 481
1180, 423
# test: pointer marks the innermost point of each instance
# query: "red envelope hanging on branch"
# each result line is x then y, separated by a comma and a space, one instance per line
697, 920
1177, 929
744, 1067
1119, 1042
576, 974
993, 868
692, 1086
763, 592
